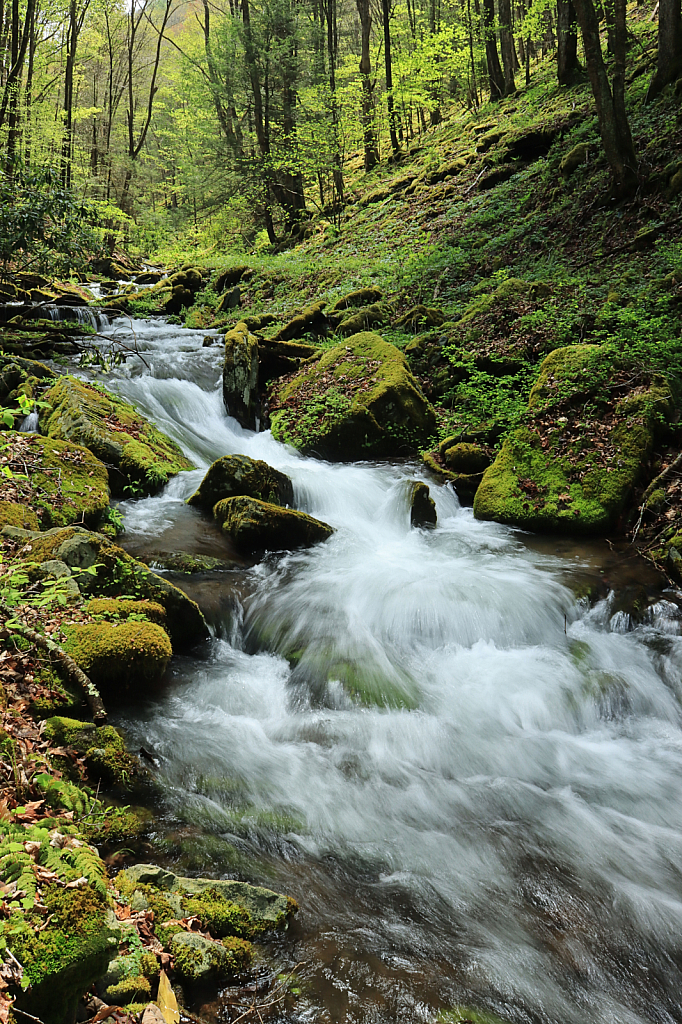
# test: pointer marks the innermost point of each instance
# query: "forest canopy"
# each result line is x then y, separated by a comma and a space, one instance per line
237, 119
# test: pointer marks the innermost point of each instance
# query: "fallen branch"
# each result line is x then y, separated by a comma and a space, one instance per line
650, 490
73, 671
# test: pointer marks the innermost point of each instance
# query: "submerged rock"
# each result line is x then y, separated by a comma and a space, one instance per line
422, 505
235, 475
358, 401
257, 525
568, 471
143, 458
240, 376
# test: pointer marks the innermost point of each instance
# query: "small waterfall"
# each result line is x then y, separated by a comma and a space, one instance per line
30, 423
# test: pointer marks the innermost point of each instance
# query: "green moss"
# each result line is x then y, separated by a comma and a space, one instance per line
466, 458
116, 608
219, 916
65, 482
239, 955
14, 514
119, 657
259, 525
468, 1015
197, 959
358, 400
130, 990
114, 431
235, 475
240, 376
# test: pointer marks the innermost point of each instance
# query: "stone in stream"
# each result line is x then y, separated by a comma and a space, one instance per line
358, 401
257, 525
422, 505
234, 475
240, 376
142, 458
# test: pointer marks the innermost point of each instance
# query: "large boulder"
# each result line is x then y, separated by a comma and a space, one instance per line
143, 458
119, 657
359, 400
240, 376
257, 525
235, 475
119, 573
54, 483
572, 467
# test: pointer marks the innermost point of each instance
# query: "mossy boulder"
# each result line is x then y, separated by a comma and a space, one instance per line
422, 505
359, 400
240, 376
257, 525
102, 748
235, 475
422, 317
199, 959
311, 320
573, 159
115, 432
463, 457
360, 297
120, 657
117, 573
362, 320
56, 482
569, 471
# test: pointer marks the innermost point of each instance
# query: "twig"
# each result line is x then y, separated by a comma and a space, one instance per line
29, 1016
650, 490
92, 695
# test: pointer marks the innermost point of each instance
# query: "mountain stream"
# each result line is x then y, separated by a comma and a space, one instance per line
467, 775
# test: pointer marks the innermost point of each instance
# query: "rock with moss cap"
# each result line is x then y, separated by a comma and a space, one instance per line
240, 376
143, 458
118, 572
358, 401
360, 297
56, 482
119, 658
567, 471
257, 525
422, 506
235, 475
102, 748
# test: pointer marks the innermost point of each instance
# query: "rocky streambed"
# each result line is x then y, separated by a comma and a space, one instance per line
453, 745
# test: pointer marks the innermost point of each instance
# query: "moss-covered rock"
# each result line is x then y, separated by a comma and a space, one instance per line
463, 457
102, 747
187, 563
360, 297
364, 319
114, 431
118, 572
421, 317
117, 608
573, 159
240, 376
14, 514
422, 505
57, 482
199, 959
235, 475
567, 470
133, 989
119, 658
257, 525
359, 400
311, 320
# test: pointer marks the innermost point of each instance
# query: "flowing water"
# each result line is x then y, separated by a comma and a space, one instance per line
467, 777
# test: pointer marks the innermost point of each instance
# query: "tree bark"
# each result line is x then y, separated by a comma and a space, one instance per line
389, 76
507, 46
669, 47
569, 70
369, 134
495, 76
613, 123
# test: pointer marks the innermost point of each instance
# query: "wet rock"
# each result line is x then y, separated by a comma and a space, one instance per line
422, 506
143, 458
235, 475
198, 959
367, 403
240, 376
186, 562
257, 525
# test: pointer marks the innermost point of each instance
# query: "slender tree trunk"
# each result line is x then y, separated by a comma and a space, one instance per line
507, 46
332, 49
370, 140
613, 124
495, 76
669, 47
389, 76
568, 68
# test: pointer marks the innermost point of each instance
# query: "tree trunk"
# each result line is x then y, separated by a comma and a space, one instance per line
507, 46
495, 76
669, 47
369, 134
389, 76
332, 48
569, 70
613, 124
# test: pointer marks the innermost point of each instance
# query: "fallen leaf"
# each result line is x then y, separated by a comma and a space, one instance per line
166, 1000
